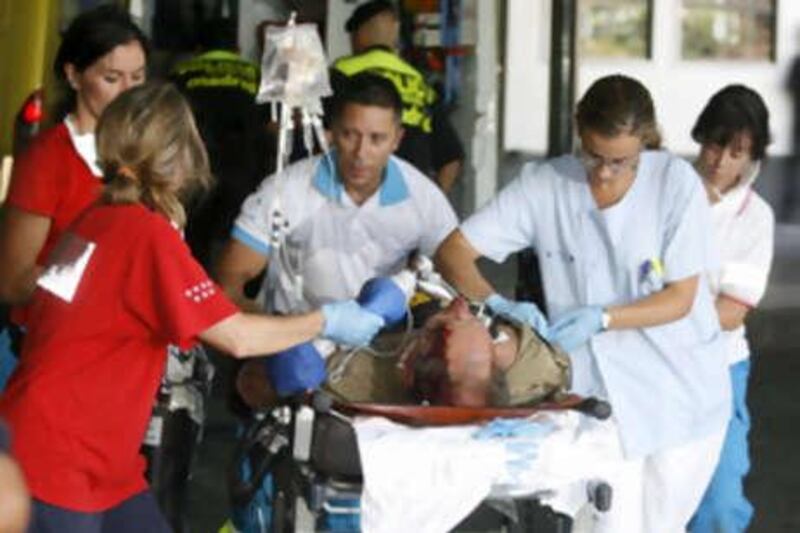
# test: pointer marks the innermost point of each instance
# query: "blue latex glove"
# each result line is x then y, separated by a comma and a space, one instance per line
296, 369
383, 297
576, 327
348, 323
525, 312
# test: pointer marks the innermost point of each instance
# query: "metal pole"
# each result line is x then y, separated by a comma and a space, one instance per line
562, 77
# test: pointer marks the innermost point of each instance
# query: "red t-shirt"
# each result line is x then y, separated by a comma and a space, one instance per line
51, 179
80, 401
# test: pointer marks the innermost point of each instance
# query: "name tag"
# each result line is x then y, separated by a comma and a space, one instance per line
68, 263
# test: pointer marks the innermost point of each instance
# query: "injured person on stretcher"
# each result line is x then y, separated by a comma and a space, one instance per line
453, 359
440, 393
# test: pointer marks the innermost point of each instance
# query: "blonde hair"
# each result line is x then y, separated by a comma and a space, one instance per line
150, 150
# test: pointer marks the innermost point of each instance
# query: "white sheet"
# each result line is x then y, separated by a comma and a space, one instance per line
422, 480
427, 480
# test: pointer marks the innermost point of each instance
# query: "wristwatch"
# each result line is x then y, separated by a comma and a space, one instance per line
605, 319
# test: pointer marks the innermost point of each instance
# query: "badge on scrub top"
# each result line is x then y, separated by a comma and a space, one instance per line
651, 275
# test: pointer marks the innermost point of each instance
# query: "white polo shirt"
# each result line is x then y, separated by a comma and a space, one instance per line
667, 384
745, 230
334, 244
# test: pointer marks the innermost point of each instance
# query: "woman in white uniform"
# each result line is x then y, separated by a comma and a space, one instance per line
733, 132
622, 233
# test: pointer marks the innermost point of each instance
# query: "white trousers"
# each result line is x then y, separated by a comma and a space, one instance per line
657, 493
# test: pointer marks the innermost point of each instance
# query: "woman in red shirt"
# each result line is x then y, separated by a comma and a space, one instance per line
118, 288
102, 53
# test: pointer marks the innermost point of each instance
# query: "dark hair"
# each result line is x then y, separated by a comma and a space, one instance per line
369, 90
732, 110
93, 34
366, 11
619, 104
218, 33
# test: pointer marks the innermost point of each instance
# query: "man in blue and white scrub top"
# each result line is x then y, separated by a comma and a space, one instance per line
348, 216
334, 243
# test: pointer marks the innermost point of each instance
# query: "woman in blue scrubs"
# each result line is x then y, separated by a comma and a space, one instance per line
622, 233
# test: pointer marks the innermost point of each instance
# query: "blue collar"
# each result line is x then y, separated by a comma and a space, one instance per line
393, 189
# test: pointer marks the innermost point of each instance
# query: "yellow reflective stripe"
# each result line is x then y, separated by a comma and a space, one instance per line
227, 81
415, 93
218, 68
374, 58
407, 79
413, 90
224, 55
413, 116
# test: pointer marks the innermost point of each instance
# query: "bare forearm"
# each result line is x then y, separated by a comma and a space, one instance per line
731, 312
17, 287
233, 282
15, 504
669, 304
448, 174
236, 267
22, 237
455, 261
248, 335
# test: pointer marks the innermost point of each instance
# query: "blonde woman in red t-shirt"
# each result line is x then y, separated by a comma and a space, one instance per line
119, 287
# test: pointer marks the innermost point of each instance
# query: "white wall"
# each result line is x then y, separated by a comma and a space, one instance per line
680, 88
338, 40
251, 14
483, 149
526, 90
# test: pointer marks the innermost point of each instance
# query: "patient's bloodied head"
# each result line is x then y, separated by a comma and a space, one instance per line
450, 362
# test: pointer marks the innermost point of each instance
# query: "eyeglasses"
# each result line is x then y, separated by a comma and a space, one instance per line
615, 166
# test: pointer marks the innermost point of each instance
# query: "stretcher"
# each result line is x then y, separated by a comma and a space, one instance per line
309, 462
304, 458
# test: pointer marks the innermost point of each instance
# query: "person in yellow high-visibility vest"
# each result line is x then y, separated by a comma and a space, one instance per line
430, 142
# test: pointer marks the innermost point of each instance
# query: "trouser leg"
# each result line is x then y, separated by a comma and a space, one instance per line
724, 506
46, 518
136, 514
674, 482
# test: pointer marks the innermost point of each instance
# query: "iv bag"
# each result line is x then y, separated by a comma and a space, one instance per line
294, 70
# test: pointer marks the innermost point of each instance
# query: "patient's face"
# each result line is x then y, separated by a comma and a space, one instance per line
450, 363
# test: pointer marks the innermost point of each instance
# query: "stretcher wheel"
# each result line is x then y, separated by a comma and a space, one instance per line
600, 495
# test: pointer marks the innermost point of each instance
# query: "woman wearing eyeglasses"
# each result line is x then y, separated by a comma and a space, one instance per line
733, 132
622, 235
